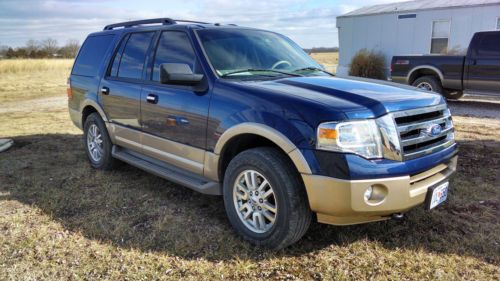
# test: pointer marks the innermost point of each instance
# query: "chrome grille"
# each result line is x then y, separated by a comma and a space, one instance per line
419, 133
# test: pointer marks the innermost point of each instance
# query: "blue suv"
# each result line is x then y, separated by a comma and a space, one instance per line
247, 114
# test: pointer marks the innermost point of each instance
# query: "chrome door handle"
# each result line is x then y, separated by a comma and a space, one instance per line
105, 90
152, 98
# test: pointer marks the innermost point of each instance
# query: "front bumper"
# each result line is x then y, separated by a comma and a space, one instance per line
341, 202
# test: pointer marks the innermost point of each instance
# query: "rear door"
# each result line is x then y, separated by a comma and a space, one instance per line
174, 121
120, 90
484, 64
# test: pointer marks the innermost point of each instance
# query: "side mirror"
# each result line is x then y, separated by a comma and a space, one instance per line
178, 73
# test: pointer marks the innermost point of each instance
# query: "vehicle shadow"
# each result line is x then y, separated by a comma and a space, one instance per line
130, 208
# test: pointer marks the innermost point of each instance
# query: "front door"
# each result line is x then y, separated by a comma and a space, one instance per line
484, 65
120, 90
174, 117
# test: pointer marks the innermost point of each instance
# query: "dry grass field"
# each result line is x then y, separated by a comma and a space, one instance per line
329, 60
62, 220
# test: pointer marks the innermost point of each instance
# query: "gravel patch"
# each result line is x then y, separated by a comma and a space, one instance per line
472, 106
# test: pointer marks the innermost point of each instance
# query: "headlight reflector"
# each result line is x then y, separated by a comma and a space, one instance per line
359, 137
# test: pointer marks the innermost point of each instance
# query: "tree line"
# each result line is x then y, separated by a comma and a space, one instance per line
47, 48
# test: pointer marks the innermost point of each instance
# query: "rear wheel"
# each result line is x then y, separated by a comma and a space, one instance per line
428, 83
265, 199
97, 143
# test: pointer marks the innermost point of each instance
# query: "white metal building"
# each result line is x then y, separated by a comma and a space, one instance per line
414, 27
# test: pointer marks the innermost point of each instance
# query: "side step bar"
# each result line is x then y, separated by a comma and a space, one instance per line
167, 171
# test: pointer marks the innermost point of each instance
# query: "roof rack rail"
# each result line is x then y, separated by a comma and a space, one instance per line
192, 21
163, 21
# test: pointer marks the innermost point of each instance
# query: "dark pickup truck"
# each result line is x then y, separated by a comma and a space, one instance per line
477, 73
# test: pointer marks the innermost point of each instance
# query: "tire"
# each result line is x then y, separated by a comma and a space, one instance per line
453, 95
95, 125
428, 83
292, 215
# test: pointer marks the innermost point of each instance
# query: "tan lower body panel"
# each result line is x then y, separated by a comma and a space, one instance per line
341, 202
177, 154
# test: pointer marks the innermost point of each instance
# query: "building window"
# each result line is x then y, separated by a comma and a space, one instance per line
407, 16
498, 23
440, 36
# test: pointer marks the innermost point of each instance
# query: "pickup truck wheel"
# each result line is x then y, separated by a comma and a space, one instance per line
265, 199
428, 83
97, 143
453, 95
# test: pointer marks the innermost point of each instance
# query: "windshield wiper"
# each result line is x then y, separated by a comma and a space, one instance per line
260, 70
312, 68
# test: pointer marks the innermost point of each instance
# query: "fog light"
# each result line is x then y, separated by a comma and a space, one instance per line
368, 193
375, 194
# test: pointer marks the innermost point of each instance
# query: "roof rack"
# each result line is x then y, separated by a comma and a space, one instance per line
163, 21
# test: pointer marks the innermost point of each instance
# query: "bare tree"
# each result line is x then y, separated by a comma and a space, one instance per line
49, 45
32, 46
72, 46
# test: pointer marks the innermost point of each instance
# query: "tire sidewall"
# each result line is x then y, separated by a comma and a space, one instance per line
276, 182
431, 81
107, 145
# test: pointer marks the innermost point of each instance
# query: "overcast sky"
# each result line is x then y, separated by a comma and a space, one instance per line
311, 23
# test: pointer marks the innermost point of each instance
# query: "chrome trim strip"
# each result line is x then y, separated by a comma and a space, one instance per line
418, 111
421, 125
424, 138
433, 148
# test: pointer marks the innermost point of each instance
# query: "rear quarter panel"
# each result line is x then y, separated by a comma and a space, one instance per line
449, 69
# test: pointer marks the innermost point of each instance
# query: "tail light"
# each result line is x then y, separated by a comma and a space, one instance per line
68, 89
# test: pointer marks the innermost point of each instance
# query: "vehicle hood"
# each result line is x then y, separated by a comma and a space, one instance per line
355, 97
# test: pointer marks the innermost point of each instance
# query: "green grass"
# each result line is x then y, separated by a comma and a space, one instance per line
62, 220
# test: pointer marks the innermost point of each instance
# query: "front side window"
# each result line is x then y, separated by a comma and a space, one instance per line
246, 52
174, 47
130, 62
440, 36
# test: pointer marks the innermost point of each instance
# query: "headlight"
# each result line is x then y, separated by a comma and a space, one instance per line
359, 137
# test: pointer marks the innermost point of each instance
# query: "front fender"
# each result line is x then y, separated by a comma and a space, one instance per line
269, 133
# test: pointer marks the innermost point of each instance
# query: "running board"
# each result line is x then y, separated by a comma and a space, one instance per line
167, 171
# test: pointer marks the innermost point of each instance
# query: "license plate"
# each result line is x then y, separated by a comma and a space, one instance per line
439, 194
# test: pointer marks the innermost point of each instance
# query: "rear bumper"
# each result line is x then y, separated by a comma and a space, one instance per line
341, 202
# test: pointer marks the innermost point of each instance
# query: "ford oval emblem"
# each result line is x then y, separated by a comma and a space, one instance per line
433, 130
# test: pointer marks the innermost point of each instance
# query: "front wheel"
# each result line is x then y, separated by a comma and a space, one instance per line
265, 199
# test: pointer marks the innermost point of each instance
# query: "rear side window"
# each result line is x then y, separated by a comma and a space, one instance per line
131, 61
91, 55
173, 47
489, 45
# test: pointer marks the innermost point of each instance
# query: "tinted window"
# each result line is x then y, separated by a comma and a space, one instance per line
134, 55
117, 58
173, 47
232, 50
91, 55
490, 45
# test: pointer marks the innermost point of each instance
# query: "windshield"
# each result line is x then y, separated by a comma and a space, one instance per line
246, 52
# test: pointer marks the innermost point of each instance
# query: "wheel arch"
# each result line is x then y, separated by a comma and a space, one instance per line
423, 70
249, 135
89, 107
